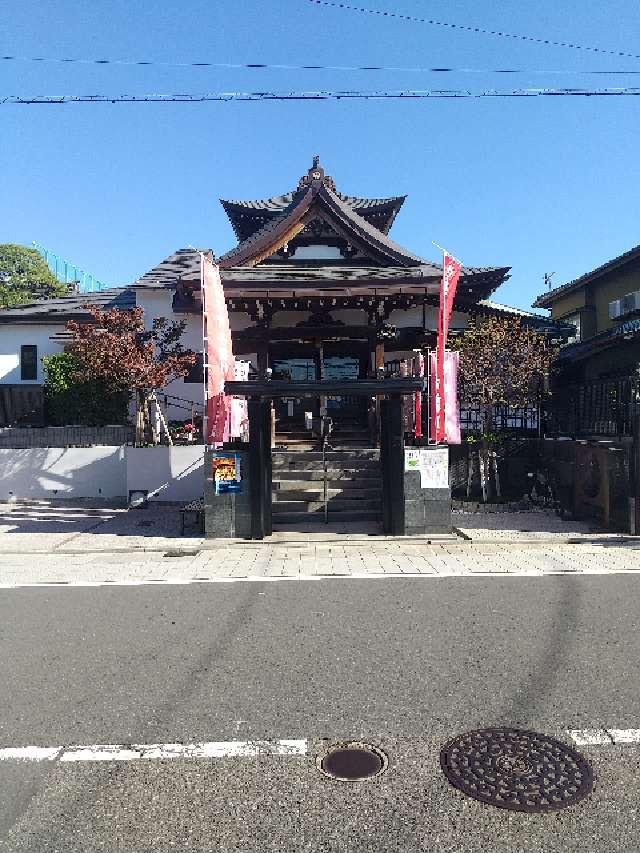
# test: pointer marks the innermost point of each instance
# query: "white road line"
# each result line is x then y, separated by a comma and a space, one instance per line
137, 751
625, 735
99, 753
590, 737
116, 582
30, 753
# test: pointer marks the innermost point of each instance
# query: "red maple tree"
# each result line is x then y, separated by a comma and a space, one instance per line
117, 348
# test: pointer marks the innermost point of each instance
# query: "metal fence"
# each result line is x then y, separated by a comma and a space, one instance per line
603, 407
505, 419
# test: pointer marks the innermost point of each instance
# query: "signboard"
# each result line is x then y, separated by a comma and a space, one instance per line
431, 462
225, 468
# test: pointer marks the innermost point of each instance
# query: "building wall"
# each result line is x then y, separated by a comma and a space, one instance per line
568, 304
13, 336
72, 472
614, 286
166, 473
158, 303
591, 302
172, 474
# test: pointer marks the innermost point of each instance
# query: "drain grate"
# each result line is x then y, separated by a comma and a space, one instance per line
518, 770
352, 762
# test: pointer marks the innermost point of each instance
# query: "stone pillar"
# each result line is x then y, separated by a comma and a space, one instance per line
427, 493
227, 515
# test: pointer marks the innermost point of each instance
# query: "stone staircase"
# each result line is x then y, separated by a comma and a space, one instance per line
345, 436
354, 486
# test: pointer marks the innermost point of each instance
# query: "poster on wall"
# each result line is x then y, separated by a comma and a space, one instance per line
431, 462
225, 468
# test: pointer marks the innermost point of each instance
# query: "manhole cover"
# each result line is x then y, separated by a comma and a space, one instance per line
518, 770
351, 762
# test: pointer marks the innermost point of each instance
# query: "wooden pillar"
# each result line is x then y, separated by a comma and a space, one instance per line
392, 462
260, 467
634, 501
263, 357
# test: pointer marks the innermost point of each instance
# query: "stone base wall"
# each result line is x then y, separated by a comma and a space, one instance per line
227, 515
425, 510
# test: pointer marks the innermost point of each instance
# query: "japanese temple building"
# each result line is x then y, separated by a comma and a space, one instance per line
318, 292
317, 289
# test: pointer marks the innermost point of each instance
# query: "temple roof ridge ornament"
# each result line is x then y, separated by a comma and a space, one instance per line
316, 174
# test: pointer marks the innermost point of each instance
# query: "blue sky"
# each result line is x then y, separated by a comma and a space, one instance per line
542, 185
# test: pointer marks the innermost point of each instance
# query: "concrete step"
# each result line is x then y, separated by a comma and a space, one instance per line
348, 496
338, 476
359, 454
335, 505
337, 517
334, 472
355, 484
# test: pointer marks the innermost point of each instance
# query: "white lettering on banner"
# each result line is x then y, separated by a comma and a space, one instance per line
433, 464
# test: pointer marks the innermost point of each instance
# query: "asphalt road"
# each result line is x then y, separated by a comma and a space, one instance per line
401, 664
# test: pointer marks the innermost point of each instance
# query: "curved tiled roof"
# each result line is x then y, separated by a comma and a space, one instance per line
183, 263
318, 192
247, 217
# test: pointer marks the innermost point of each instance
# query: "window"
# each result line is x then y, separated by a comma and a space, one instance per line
574, 319
28, 362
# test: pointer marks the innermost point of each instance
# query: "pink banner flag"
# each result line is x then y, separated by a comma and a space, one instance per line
451, 270
450, 385
219, 361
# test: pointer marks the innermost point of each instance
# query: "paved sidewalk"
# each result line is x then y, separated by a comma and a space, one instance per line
263, 561
47, 528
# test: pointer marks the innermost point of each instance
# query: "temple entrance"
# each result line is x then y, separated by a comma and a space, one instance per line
335, 361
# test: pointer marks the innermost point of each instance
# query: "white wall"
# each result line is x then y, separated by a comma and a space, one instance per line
12, 337
74, 472
158, 304
166, 473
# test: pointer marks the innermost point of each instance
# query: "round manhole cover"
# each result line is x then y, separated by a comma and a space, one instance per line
518, 770
351, 762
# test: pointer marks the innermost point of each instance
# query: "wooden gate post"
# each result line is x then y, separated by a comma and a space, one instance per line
392, 463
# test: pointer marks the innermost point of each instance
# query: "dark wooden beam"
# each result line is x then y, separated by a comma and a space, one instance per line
338, 387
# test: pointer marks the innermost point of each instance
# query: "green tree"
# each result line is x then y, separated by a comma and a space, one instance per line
71, 398
25, 275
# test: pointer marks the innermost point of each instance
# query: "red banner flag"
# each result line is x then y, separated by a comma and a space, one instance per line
450, 274
219, 362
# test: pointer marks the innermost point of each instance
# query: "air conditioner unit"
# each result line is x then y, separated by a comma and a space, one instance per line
615, 309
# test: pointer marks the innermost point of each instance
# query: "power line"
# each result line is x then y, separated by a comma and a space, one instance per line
409, 94
274, 66
416, 20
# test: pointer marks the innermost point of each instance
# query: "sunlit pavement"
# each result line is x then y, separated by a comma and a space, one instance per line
291, 561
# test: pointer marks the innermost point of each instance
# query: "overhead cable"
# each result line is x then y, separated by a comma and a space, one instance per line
414, 19
409, 94
275, 66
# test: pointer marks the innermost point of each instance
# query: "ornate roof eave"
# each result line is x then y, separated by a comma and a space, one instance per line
247, 217
277, 232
